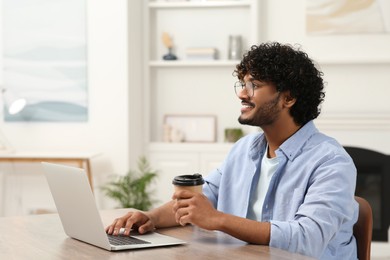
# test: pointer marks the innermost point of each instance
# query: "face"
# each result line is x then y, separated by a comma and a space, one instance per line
262, 108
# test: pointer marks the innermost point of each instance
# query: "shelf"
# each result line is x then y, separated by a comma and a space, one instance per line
189, 147
198, 4
189, 63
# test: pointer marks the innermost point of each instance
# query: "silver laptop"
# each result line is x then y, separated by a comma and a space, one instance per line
80, 217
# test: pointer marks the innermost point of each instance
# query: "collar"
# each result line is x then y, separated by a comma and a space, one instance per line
292, 147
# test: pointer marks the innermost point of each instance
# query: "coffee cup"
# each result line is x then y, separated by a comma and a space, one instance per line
189, 182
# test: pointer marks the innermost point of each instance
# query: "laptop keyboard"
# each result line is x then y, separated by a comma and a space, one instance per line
125, 240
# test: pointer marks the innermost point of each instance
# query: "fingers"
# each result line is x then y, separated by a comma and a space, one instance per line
126, 222
128, 225
114, 228
140, 220
189, 207
181, 206
181, 216
183, 194
182, 209
180, 203
148, 226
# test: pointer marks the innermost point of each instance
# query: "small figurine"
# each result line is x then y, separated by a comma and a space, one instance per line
167, 40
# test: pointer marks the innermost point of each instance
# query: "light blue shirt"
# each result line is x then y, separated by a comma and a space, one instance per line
310, 200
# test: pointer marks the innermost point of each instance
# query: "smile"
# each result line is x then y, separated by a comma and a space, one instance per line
246, 106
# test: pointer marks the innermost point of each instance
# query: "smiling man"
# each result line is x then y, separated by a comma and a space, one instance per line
289, 187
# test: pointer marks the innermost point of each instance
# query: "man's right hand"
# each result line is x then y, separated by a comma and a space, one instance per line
136, 220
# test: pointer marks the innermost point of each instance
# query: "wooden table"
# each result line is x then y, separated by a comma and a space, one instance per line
81, 160
42, 237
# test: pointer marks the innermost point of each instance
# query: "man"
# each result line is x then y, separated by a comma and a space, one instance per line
290, 187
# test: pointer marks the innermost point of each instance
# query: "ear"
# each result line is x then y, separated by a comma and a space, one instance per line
288, 100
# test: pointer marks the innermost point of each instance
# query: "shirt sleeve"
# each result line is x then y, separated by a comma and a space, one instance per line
211, 186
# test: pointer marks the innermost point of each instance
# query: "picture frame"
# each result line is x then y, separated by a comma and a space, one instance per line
348, 41
49, 70
191, 128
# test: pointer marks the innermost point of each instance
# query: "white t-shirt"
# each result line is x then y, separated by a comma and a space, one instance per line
268, 168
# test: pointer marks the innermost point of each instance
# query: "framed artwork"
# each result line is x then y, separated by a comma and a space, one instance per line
189, 128
44, 58
348, 30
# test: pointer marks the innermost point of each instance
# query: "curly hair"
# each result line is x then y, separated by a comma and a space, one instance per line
288, 69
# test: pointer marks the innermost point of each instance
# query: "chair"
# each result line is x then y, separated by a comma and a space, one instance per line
373, 177
362, 230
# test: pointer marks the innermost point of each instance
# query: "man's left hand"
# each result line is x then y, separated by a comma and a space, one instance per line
195, 208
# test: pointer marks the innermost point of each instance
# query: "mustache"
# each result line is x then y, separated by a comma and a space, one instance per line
247, 102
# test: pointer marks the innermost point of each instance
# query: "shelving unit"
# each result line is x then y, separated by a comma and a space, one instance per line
186, 63
168, 83
186, 21
193, 87
198, 4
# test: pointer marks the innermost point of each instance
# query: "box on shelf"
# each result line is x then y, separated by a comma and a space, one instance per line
170, 1
201, 53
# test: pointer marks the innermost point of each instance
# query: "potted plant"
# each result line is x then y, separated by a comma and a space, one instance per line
233, 134
131, 190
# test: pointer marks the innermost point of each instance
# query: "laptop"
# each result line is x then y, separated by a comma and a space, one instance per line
80, 217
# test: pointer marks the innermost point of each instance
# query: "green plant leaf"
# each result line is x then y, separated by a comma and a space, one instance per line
131, 190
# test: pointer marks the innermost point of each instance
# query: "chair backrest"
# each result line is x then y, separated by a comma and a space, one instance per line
373, 177
362, 230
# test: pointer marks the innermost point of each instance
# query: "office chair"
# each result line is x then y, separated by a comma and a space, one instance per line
362, 230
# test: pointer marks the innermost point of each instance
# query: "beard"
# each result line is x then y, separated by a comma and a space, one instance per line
264, 115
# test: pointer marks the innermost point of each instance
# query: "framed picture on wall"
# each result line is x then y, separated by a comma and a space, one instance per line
190, 128
348, 31
45, 59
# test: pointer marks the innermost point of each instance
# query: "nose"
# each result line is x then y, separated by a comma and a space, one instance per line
243, 94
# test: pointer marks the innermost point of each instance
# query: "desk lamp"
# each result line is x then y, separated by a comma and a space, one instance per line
14, 105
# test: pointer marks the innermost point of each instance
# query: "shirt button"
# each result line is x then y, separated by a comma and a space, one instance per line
266, 206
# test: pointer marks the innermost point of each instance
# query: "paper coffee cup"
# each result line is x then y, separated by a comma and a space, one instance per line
189, 182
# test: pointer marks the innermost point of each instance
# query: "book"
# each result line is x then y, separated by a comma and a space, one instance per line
201, 53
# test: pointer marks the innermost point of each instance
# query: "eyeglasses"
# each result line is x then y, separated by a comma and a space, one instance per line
248, 86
